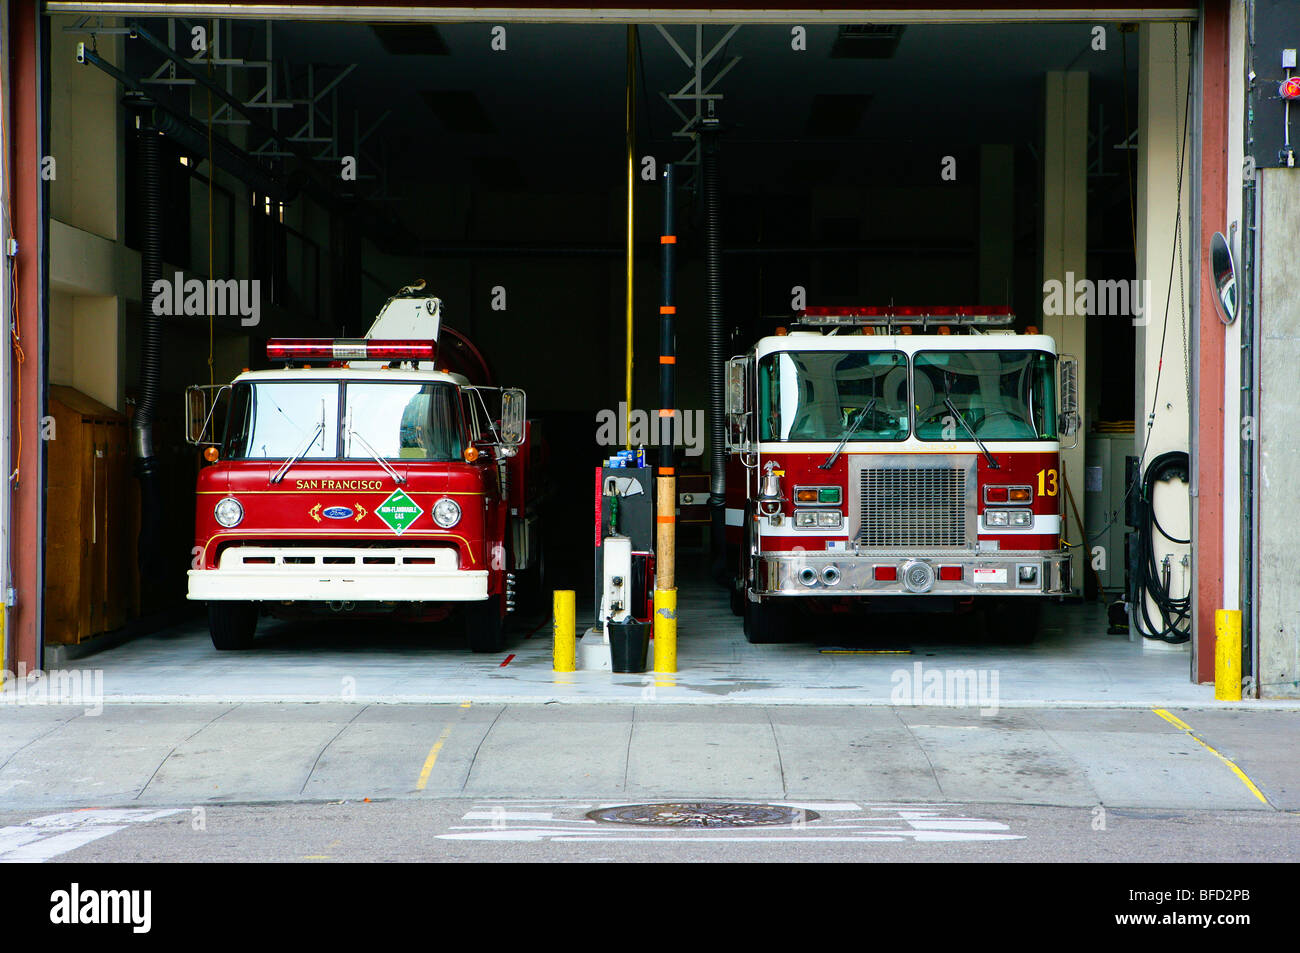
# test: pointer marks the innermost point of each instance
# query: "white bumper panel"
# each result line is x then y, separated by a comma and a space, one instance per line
338, 574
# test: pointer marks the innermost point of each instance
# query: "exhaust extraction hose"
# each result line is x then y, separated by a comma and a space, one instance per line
713, 279
142, 423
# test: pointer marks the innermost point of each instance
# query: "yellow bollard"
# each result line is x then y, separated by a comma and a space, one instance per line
565, 652
1227, 655
665, 630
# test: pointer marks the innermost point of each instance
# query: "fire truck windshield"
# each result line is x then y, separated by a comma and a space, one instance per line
399, 420
828, 395
1000, 395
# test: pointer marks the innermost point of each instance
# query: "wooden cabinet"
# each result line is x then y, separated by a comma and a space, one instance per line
90, 519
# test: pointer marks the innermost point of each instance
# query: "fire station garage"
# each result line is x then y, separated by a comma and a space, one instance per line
913, 295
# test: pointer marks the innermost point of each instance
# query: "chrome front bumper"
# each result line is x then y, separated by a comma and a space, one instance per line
854, 574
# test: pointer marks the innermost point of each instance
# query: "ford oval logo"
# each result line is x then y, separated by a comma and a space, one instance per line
337, 513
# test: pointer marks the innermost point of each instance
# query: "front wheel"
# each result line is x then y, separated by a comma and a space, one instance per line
485, 625
232, 625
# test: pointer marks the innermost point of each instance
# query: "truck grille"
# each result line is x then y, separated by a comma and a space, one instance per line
903, 507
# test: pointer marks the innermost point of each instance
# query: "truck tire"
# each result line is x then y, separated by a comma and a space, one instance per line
1014, 620
737, 599
484, 625
232, 625
767, 623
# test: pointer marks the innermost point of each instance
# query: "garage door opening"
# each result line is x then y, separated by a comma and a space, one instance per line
916, 164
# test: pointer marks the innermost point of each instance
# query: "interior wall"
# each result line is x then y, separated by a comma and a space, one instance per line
1165, 246
1065, 254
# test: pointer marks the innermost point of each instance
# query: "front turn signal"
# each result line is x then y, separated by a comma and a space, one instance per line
471, 454
211, 454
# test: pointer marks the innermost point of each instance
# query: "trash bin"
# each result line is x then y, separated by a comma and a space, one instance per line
629, 643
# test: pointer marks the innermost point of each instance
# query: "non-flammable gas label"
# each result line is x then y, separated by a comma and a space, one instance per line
399, 511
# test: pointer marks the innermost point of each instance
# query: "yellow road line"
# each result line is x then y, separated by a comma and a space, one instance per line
432, 759
1241, 775
866, 651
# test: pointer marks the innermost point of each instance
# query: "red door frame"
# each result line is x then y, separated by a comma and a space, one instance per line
26, 537
1211, 339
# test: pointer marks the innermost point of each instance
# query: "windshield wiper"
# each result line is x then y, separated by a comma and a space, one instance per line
279, 474
397, 477
848, 432
978, 442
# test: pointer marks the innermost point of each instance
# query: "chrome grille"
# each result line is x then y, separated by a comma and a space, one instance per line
903, 507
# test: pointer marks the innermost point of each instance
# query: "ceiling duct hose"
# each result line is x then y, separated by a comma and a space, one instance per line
713, 291
146, 462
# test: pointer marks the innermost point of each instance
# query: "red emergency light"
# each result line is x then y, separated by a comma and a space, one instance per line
1290, 89
349, 349
901, 316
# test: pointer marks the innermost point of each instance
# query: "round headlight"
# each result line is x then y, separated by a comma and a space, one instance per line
229, 512
446, 513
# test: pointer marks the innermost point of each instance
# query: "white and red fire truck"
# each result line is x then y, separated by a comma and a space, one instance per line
897, 458
374, 476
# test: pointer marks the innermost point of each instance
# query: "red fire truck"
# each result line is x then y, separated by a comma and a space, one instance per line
897, 458
374, 476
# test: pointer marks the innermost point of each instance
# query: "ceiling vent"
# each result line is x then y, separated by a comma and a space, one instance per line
867, 41
410, 39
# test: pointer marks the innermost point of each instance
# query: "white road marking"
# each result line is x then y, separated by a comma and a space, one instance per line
43, 838
885, 824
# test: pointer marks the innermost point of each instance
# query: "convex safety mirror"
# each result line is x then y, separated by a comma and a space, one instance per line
1224, 271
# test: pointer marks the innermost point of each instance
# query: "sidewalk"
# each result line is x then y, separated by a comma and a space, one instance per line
181, 754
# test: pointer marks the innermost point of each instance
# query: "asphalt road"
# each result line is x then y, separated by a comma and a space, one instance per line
486, 830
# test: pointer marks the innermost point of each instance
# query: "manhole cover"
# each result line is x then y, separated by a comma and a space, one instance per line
703, 814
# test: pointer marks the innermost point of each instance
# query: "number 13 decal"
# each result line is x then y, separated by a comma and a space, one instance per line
1047, 483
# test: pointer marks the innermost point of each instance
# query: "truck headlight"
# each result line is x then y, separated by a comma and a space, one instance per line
446, 513
996, 518
229, 512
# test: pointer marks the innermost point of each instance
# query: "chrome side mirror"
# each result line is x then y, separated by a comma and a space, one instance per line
738, 417
200, 404
1069, 421
514, 416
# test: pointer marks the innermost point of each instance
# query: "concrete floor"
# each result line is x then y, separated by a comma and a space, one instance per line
1074, 663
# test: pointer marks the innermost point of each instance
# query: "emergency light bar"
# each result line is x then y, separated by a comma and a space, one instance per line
823, 317
349, 349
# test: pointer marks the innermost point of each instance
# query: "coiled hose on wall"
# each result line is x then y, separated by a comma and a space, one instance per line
1173, 622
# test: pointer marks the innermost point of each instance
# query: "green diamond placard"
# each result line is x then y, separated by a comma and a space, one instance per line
399, 511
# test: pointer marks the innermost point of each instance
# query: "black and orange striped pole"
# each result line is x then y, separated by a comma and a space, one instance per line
666, 484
